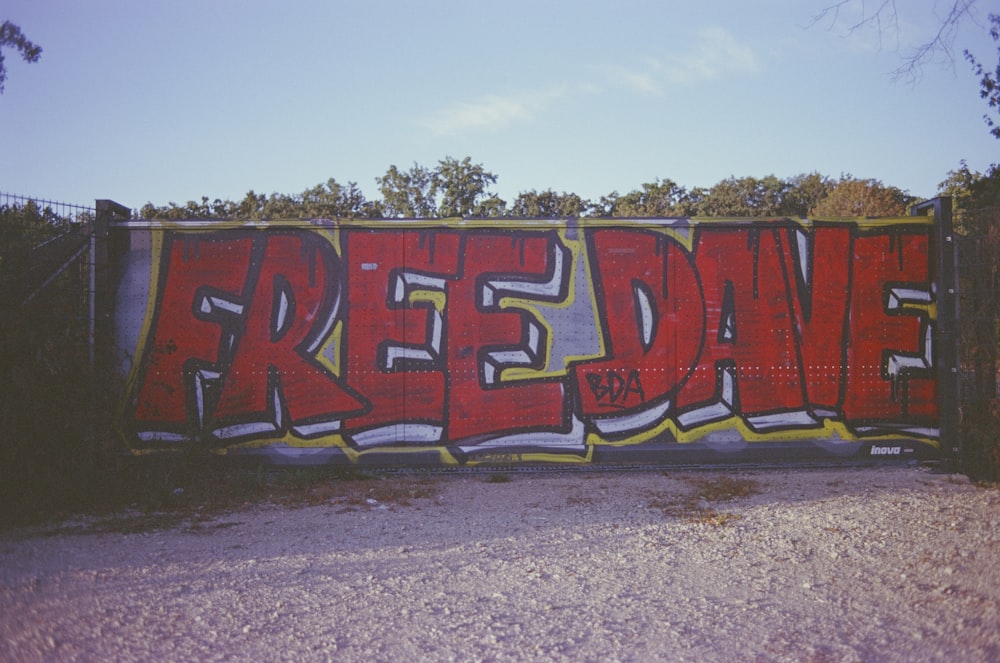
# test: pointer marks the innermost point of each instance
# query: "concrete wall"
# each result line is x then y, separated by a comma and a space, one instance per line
464, 341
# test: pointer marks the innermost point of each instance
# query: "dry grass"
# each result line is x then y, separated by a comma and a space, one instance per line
150, 494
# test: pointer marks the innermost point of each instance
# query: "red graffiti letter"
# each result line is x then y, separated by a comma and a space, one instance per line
823, 275
275, 369
395, 331
653, 318
485, 339
197, 273
750, 361
889, 362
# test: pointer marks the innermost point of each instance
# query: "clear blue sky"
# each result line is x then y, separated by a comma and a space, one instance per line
168, 100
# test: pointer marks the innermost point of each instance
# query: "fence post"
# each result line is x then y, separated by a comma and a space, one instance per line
946, 336
101, 282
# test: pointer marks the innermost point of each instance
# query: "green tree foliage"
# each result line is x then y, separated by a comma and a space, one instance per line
11, 35
804, 193
656, 198
459, 187
492, 206
408, 193
745, 196
453, 188
22, 228
989, 80
462, 188
203, 209
547, 204
970, 189
852, 197
329, 200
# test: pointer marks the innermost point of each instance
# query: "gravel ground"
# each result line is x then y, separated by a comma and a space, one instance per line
890, 564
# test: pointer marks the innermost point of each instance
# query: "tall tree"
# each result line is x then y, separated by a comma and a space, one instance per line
959, 184
989, 80
461, 186
252, 206
203, 209
657, 198
804, 192
492, 206
11, 35
408, 193
23, 227
547, 205
605, 205
745, 196
329, 200
971, 190
332, 200
858, 198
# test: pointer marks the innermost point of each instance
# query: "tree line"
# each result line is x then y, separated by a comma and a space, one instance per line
459, 187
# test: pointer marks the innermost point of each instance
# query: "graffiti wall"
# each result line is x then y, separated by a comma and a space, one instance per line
464, 342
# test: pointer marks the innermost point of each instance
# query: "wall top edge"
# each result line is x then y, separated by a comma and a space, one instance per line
456, 223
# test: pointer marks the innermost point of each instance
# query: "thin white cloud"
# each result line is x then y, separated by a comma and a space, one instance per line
715, 53
491, 112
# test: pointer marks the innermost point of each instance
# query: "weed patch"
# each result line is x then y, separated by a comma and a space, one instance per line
498, 477
695, 506
722, 489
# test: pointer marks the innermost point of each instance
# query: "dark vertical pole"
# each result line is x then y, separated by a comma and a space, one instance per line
101, 279
946, 336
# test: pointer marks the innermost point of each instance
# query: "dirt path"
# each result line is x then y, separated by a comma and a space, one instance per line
894, 564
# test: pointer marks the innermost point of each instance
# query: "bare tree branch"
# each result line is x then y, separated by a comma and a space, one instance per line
943, 41
886, 16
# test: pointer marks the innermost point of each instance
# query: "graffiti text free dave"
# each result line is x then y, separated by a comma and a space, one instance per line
535, 335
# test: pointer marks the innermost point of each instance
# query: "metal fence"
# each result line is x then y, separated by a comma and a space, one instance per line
979, 306
40, 242
54, 408
72, 211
